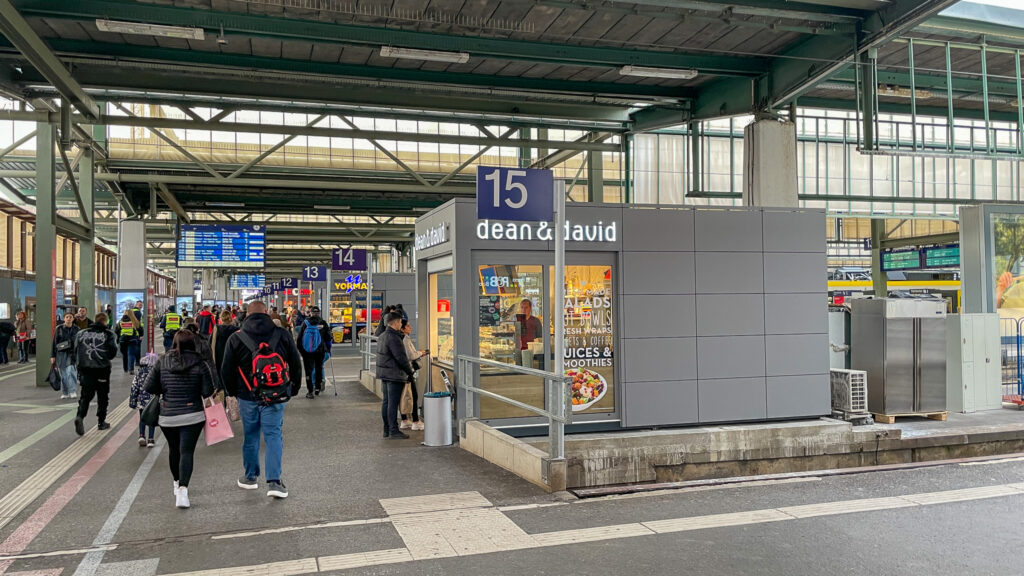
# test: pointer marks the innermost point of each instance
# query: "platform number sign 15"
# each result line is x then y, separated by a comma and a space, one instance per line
314, 274
349, 259
515, 194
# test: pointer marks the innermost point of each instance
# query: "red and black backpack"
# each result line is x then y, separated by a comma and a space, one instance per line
268, 380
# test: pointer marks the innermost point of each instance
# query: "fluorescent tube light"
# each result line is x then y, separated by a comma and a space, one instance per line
645, 72
225, 204
429, 55
323, 207
150, 29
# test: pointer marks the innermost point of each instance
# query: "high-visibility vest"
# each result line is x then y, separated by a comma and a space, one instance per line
127, 328
172, 321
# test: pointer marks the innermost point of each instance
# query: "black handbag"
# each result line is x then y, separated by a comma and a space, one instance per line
151, 413
64, 346
54, 378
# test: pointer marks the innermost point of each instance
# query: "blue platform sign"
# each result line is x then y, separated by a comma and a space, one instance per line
314, 274
349, 259
515, 194
289, 283
275, 287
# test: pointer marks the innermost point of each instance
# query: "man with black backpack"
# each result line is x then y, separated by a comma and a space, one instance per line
314, 344
261, 368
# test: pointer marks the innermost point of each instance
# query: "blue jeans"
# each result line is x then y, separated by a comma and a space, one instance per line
268, 420
142, 427
130, 354
69, 380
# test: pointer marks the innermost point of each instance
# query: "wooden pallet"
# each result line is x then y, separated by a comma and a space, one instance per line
891, 418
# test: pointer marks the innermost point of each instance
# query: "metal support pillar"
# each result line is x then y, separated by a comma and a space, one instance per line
868, 99
556, 430
46, 247
595, 176
87, 247
695, 161
879, 280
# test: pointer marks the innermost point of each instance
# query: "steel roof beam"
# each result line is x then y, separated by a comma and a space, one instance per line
167, 196
281, 27
810, 61
767, 8
24, 38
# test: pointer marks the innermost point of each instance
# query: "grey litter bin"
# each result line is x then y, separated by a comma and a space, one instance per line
437, 419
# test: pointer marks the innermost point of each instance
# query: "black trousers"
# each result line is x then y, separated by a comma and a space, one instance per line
313, 366
182, 442
94, 382
4, 343
415, 403
389, 404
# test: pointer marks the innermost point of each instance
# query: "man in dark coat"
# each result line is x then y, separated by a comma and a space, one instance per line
394, 369
313, 360
94, 348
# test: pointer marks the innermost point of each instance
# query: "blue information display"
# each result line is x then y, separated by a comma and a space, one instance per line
248, 281
221, 246
349, 259
515, 194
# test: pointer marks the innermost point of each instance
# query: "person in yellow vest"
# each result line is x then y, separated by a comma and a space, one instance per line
129, 336
170, 324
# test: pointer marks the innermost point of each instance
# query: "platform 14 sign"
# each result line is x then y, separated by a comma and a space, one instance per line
349, 259
515, 194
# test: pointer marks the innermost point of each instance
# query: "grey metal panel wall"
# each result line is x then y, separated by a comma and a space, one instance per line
757, 280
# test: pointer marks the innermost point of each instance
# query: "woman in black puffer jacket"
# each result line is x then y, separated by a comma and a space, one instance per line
182, 378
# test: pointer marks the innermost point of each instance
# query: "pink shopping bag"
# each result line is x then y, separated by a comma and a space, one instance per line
218, 427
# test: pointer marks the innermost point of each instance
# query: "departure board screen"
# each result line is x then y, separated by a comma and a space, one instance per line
901, 259
221, 246
248, 281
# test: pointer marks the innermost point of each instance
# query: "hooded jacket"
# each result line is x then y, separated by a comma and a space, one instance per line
238, 357
315, 323
95, 347
392, 360
182, 379
205, 321
220, 342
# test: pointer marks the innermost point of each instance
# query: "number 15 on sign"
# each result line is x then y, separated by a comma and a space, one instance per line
514, 194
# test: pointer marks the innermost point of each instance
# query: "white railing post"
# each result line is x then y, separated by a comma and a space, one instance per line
556, 430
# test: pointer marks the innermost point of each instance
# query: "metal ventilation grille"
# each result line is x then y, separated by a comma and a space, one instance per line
849, 390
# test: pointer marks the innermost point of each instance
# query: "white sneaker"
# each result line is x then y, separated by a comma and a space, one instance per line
181, 497
73, 396
417, 425
176, 488
63, 396
404, 425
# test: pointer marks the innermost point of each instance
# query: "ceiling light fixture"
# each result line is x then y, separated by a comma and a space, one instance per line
225, 204
428, 55
150, 29
645, 72
325, 207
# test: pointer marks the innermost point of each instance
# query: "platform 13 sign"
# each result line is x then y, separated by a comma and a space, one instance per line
515, 194
314, 274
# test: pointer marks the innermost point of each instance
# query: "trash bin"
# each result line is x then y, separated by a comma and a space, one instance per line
437, 417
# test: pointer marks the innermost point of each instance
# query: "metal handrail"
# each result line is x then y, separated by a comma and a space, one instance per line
556, 393
366, 349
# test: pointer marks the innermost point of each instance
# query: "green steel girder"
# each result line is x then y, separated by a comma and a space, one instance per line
405, 98
809, 61
770, 8
904, 109
284, 28
964, 28
936, 82
225, 60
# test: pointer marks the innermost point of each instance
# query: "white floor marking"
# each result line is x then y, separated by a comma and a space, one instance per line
465, 531
25, 493
92, 560
73, 552
433, 503
988, 462
132, 568
340, 524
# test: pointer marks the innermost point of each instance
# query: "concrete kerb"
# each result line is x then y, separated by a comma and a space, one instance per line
514, 455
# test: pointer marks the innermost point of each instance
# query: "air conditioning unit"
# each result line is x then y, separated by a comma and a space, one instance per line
849, 393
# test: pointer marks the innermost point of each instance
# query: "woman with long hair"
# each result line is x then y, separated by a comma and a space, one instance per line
220, 336
62, 356
182, 378
23, 335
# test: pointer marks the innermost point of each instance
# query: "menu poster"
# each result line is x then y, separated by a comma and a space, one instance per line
490, 310
589, 346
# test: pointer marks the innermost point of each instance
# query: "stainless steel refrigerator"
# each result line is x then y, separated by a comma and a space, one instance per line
901, 344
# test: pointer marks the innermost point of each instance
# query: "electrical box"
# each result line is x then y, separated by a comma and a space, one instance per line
973, 376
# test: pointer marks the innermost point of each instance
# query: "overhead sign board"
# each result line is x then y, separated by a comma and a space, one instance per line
349, 259
248, 281
941, 256
289, 283
314, 274
221, 246
904, 259
521, 194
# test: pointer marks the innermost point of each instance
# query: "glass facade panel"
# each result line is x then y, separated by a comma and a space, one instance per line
442, 317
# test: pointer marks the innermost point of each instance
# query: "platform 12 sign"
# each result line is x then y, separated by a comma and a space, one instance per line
349, 259
314, 274
515, 194
289, 283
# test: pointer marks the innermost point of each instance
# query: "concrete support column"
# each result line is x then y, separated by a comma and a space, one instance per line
879, 280
184, 288
87, 248
595, 176
45, 247
769, 157
131, 256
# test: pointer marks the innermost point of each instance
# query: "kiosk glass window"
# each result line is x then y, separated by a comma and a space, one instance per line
442, 318
513, 323
589, 338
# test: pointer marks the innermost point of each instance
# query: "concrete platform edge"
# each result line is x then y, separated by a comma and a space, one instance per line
514, 455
